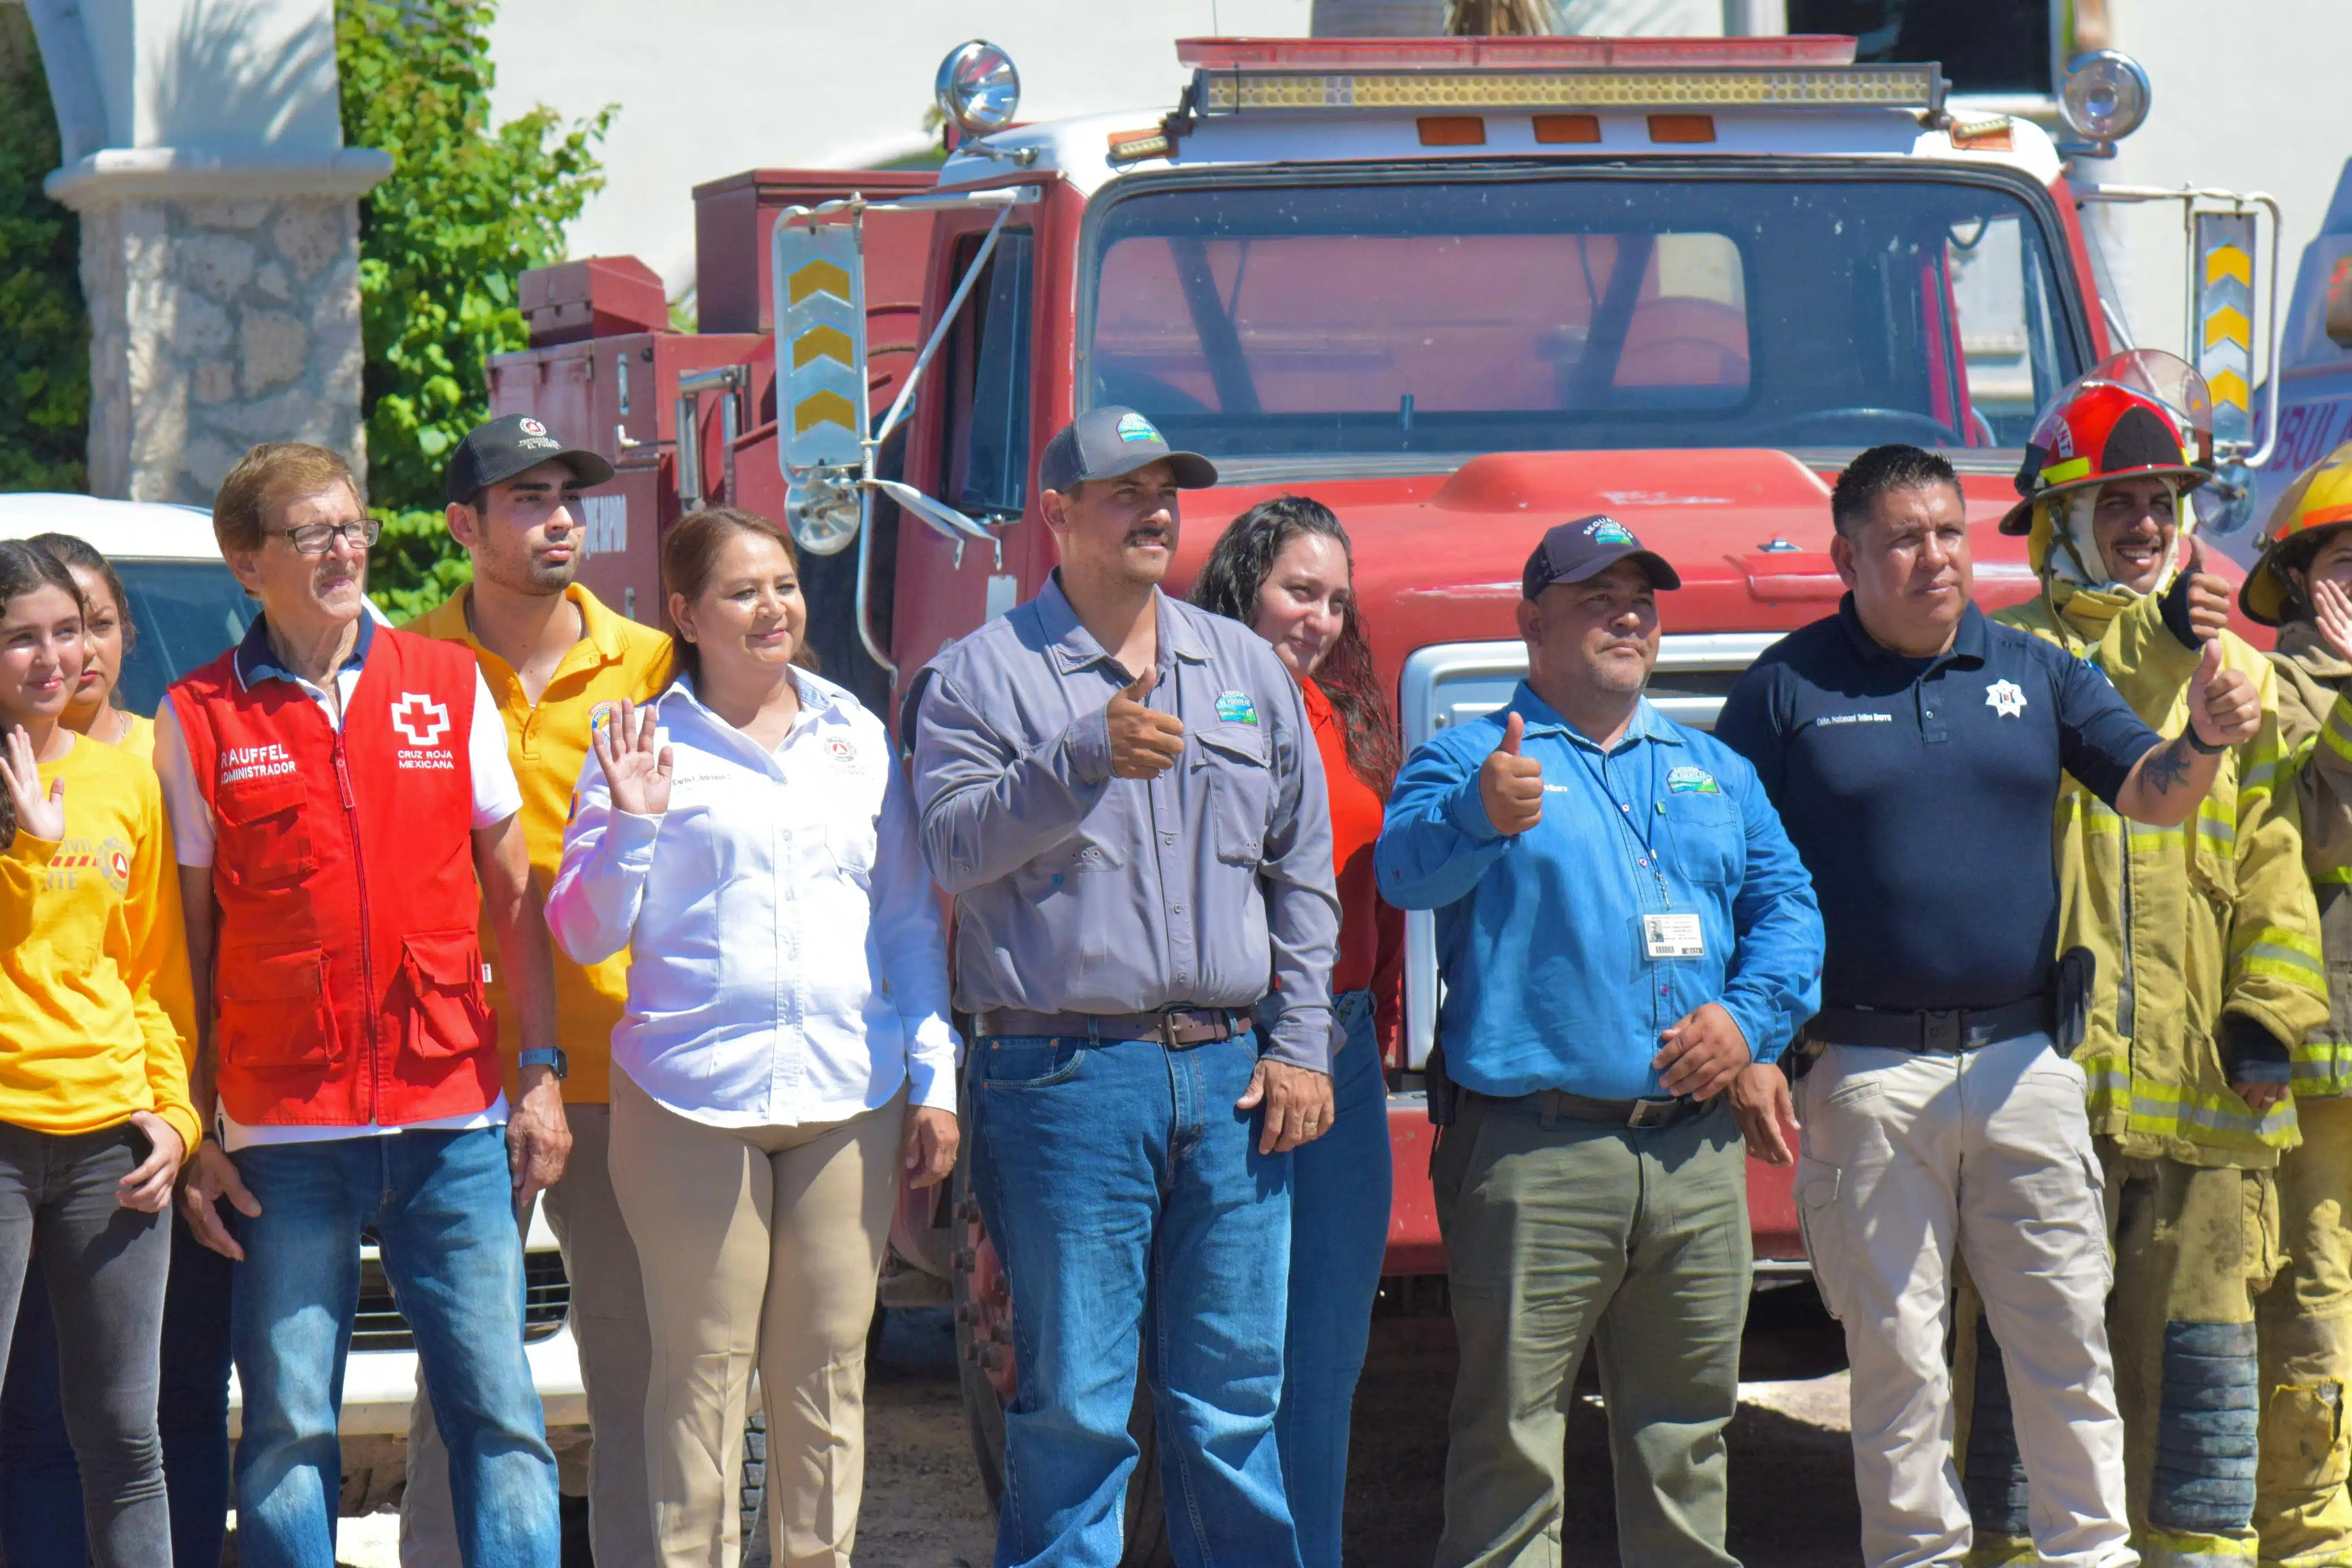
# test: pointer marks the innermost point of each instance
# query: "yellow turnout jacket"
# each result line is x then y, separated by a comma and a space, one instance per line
2189, 924
2316, 725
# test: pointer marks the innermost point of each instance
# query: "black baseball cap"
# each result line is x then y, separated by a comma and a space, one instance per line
1105, 443
1572, 552
496, 450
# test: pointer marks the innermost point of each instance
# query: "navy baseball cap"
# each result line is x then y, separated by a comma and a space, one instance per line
1572, 552
1105, 443
496, 450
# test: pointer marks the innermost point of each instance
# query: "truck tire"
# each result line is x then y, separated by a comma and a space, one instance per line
757, 1550
984, 1404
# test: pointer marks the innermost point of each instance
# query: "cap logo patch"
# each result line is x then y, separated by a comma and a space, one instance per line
1236, 708
1608, 531
1691, 781
532, 427
1135, 427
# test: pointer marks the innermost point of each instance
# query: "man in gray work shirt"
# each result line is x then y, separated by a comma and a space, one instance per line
1123, 795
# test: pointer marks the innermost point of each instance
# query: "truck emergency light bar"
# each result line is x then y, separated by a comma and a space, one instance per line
1250, 76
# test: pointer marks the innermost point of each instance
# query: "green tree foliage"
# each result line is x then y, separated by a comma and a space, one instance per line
44, 374
443, 245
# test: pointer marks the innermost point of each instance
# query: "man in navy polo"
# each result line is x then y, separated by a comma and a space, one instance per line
1914, 749
1622, 927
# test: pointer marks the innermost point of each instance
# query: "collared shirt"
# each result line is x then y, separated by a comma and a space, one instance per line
548, 744
1920, 792
1550, 981
497, 797
1079, 893
787, 963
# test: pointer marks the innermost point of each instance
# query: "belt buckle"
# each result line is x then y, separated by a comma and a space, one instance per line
1651, 1113
1170, 1020
1942, 1033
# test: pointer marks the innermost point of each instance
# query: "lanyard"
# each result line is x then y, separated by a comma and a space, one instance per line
1642, 841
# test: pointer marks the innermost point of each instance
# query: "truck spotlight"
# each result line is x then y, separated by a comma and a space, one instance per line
2105, 98
978, 90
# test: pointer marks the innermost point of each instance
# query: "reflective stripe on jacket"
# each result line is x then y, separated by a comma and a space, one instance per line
2189, 923
2316, 725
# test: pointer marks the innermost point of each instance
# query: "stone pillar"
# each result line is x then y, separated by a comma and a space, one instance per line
224, 310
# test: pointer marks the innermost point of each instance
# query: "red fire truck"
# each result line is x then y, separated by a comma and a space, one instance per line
1458, 289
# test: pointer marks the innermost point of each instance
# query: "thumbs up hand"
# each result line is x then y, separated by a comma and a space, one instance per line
2223, 706
2209, 596
1511, 786
1144, 742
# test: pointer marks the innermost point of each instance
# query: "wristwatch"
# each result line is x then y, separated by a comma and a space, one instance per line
547, 1056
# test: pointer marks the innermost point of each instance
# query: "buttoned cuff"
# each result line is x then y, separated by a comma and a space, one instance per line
629, 838
32, 852
1301, 1038
1467, 811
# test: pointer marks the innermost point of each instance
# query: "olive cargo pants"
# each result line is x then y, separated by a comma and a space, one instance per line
2305, 1324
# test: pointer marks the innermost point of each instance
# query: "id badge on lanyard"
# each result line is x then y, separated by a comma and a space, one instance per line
1672, 936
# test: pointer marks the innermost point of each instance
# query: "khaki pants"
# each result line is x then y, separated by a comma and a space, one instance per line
608, 1324
2193, 1247
1636, 1239
2304, 1322
1910, 1162
762, 1249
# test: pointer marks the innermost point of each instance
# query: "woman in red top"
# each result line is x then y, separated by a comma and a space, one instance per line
1284, 568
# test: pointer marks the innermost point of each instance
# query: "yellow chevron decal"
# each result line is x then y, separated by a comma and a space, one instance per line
823, 408
818, 276
823, 343
2228, 261
2228, 325
2230, 387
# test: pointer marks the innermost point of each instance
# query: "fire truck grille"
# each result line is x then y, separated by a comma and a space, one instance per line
546, 1298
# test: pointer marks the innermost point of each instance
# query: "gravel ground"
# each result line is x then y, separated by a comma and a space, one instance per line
1793, 1503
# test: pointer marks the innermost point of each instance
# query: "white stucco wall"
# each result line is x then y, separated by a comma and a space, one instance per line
711, 88
230, 77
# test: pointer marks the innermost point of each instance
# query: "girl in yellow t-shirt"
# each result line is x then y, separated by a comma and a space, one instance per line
108, 636
95, 1023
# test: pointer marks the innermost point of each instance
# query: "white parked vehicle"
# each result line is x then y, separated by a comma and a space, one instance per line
188, 608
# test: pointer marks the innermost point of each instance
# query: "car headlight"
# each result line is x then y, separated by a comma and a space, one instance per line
2106, 96
978, 89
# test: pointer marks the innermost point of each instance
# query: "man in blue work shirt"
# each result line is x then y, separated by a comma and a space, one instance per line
1916, 749
1123, 797
1622, 927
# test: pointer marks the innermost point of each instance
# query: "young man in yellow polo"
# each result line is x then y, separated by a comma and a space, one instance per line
555, 660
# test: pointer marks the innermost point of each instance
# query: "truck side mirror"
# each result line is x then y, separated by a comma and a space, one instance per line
821, 413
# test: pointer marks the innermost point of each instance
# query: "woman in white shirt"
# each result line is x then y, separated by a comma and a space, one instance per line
786, 1048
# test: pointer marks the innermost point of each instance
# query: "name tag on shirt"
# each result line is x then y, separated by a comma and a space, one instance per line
1672, 936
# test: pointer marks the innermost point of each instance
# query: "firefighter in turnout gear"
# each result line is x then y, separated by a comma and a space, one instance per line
2299, 585
2205, 943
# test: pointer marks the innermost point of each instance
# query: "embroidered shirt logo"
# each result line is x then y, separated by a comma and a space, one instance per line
1236, 708
841, 750
1831, 718
2005, 699
420, 718
601, 717
1691, 781
1135, 427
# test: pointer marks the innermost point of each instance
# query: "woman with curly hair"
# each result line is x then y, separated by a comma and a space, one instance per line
1284, 568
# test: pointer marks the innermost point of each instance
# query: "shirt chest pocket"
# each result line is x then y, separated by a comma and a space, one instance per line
1710, 842
1241, 789
263, 832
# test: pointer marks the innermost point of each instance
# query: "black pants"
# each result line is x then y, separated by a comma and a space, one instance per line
105, 1267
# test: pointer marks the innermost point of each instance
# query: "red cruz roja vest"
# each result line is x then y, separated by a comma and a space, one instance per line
348, 985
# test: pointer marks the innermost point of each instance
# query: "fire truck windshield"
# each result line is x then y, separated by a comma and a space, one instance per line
1283, 326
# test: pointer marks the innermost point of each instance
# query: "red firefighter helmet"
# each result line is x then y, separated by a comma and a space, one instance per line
2137, 414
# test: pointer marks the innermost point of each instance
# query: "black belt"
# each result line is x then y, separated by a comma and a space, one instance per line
1945, 1033
1178, 1028
1559, 1105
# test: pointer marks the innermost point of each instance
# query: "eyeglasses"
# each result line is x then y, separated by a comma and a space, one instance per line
316, 539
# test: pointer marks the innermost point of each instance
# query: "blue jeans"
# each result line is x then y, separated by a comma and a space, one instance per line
1132, 1210
40, 1485
1340, 1189
442, 1210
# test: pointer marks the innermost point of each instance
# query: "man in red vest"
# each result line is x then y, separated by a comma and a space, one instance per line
344, 812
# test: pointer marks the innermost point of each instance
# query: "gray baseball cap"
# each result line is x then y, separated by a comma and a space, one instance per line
1105, 443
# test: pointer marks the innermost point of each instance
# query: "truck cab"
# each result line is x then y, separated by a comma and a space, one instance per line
1457, 289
